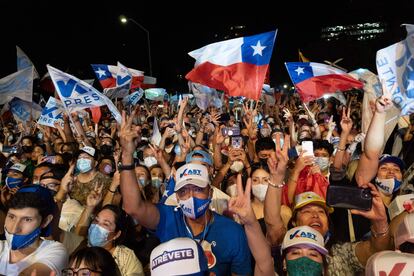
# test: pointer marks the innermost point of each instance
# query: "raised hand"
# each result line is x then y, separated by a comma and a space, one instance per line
346, 122
384, 103
377, 212
95, 196
127, 134
278, 163
68, 180
331, 124
157, 152
241, 204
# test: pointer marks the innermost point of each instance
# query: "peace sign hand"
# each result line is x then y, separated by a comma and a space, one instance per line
241, 204
384, 103
127, 135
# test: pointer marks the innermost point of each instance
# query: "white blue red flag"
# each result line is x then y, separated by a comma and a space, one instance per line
314, 80
23, 62
123, 83
107, 75
396, 64
76, 94
237, 66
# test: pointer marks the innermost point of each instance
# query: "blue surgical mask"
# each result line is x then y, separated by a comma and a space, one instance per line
84, 165
303, 266
194, 207
322, 162
13, 182
156, 182
17, 242
142, 181
97, 235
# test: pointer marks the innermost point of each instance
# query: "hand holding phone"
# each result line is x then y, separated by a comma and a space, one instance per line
236, 142
308, 147
349, 197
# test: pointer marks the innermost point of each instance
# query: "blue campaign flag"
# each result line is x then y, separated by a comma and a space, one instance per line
18, 84
24, 111
23, 62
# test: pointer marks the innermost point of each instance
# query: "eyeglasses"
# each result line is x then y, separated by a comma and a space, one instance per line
78, 272
188, 188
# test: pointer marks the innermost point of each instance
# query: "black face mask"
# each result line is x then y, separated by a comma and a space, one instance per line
144, 132
67, 156
107, 150
27, 149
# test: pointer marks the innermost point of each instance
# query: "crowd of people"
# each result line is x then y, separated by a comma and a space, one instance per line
251, 188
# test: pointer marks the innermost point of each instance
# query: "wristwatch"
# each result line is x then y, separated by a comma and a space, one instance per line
125, 167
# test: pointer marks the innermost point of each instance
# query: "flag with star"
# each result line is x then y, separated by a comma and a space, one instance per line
107, 75
237, 66
314, 80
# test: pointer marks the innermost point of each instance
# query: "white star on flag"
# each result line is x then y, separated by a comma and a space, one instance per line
100, 72
258, 48
300, 70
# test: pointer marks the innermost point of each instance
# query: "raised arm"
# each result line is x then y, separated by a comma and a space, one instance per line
341, 154
145, 212
374, 140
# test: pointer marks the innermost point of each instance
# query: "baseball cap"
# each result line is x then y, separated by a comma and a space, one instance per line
206, 157
194, 174
405, 231
386, 158
382, 263
306, 198
179, 256
89, 150
304, 236
18, 167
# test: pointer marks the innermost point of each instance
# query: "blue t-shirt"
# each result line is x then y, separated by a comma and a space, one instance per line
224, 242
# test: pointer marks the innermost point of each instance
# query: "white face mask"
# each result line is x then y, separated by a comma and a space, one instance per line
259, 191
322, 162
150, 161
388, 186
232, 190
265, 132
237, 166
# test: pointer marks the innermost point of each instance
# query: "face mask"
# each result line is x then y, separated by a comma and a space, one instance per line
97, 235
12, 182
265, 132
84, 165
322, 162
107, 150
67, 156
156, 182
27, 149
237, 166
107, 169
193, 207
142, 181
10, 138
40, 136
17, 242
106, 125
232, 190
303, 266
259, 191
177, 149
150, 161
145, 132
388, 186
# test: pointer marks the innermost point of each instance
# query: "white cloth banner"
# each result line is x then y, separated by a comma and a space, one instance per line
51, 113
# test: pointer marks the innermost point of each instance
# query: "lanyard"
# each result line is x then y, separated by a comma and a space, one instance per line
205, 231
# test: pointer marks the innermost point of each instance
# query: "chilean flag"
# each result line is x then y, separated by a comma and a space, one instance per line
107, 74
237, 66
313, 80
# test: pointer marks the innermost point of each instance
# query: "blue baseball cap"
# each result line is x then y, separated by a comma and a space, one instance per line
206, 157
386, 158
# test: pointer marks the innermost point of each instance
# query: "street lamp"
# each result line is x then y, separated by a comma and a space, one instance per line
124, 20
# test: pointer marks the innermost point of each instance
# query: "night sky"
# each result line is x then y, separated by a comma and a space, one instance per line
73, 35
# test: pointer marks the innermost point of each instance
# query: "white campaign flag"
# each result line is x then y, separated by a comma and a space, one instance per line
395, 64
23, 62
51, 113
77, 94
18, 84
24, 111
156, 135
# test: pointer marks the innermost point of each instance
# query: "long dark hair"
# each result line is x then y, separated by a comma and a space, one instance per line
122, 222
95, 258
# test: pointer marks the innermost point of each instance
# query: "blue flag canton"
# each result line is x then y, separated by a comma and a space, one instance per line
257, 49
299, 71
101, 71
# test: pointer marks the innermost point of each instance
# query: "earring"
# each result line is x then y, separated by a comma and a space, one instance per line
284, 268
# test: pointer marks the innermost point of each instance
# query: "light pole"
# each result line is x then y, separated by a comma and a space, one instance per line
125, 20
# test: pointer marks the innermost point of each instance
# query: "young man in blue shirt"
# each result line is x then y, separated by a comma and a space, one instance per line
223, 240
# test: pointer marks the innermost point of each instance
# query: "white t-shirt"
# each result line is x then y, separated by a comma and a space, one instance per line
50, 253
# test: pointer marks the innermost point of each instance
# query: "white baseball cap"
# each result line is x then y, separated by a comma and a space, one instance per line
195, 174
89, 150
382, 263
18, 167
304, 236
179, 256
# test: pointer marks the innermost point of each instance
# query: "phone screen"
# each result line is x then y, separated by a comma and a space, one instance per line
308, 146
236, 142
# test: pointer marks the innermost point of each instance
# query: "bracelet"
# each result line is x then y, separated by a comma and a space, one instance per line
109, 190
381, 234
276, 185
339, 149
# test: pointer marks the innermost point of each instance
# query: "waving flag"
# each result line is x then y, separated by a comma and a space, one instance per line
205, 96
24, 62
132, 99
52, 112
76, 94
18, 84
314, 80
107, 75
396, 64
155, 94
237, 66
23, 111
123, 83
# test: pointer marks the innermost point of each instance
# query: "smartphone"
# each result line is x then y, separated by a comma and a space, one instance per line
349, 197
236, 142
50, 159
9, 149
230, 131
308, 146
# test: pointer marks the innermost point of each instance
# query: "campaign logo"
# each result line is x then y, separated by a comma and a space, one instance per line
172, 256
208, 252
189, 172
302, 234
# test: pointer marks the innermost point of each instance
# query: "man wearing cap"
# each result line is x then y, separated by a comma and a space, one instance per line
16, 178
88, 177
29, 216
223, 240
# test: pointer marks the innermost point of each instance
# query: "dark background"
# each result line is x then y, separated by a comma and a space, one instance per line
71, 35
